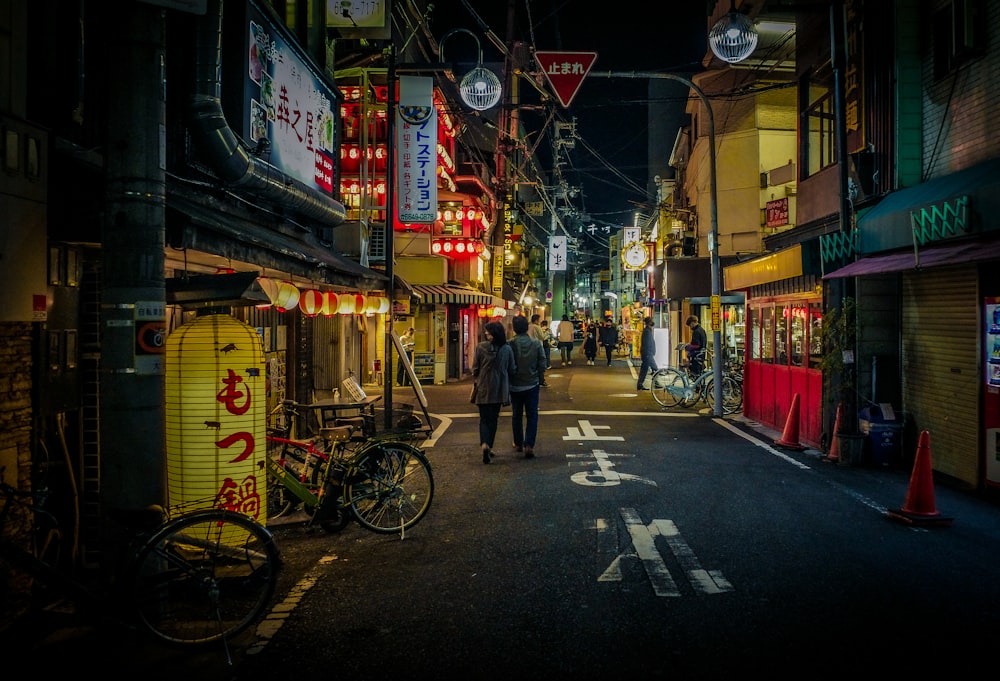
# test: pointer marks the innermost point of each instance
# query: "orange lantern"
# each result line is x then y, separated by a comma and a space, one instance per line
311, 302
215, 409
359, 303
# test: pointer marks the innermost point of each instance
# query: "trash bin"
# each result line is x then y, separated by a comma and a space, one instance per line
883, 435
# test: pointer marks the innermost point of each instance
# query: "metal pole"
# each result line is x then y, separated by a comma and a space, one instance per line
390, 211
713, 235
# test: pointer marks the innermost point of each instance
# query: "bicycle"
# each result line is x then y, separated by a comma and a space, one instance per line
384, 482
680, 387
197, 578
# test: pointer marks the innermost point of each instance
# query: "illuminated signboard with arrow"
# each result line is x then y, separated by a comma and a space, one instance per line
565, 71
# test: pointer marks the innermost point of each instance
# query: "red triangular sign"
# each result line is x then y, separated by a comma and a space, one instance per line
565, 71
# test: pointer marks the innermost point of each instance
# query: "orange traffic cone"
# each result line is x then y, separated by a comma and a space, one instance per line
834, 453
919, 508
790, 436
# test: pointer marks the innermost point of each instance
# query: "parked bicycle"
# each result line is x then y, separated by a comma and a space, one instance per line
384, 482
198, 578
672, 387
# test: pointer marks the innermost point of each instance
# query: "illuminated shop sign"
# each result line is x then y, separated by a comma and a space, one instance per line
287, 103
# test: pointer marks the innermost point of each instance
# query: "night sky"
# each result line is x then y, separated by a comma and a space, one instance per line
611, 113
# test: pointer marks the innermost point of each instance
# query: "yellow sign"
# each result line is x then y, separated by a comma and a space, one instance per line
716, 314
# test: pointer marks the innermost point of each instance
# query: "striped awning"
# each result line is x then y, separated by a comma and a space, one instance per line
462, 295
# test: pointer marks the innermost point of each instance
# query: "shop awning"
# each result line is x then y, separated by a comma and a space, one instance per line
449, 293
206, 224
891, 219
933, 256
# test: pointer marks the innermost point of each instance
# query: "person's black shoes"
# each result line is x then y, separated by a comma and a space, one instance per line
529, 452
487, 455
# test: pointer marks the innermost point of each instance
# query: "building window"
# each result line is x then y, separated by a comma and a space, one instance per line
959, 31
818, 124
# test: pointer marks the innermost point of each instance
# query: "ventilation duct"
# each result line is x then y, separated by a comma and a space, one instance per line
217, 142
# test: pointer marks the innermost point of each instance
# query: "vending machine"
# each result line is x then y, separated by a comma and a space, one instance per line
991, 395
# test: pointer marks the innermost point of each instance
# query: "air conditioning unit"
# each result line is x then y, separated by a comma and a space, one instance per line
791, 188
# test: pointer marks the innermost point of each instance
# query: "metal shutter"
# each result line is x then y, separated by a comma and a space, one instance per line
941, 366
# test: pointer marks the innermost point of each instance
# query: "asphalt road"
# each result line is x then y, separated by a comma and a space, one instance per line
639, 542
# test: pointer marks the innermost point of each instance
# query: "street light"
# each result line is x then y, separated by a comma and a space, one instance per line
733, 38
480, 89
713, 234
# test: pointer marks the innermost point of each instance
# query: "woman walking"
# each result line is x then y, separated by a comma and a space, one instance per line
492, 369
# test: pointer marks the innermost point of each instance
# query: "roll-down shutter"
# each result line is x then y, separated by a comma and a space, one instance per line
941, 366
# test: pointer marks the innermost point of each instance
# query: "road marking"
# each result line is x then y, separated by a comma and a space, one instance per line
605, 475
643, 538
588, 431
280, 613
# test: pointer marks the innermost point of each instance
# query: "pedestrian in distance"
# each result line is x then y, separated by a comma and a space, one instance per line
565, 336
547, 342
695, 349
408, 343
525, 386
492, 369
590, 343
609, 338
647, 352
539, 333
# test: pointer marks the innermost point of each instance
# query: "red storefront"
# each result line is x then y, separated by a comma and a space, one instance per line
784, 314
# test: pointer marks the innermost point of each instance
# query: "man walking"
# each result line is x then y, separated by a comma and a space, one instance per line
565, 335
647, 352
524, 386
609, 338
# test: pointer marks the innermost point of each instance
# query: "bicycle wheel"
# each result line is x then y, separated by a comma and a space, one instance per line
732, 395
390, 487
204, 577
668, 387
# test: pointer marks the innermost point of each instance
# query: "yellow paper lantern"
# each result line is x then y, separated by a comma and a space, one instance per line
287, 297
216, 408
269, 287
346, 304
383, 305
330, 304
311, 302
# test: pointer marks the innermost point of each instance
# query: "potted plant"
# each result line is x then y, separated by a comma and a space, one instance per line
840, 379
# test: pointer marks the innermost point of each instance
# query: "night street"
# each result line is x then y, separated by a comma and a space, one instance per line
639, 541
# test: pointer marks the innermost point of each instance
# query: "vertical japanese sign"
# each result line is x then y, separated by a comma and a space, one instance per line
416, 151
557, 254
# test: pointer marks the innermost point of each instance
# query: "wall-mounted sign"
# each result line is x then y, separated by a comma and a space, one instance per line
288, 104
776, 212
416, 151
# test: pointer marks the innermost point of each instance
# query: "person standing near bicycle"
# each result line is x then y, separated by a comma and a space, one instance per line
696, 348
647, 352
609, 338
492, 370
529, 356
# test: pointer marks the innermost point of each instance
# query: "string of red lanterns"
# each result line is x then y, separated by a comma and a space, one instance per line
284, 296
